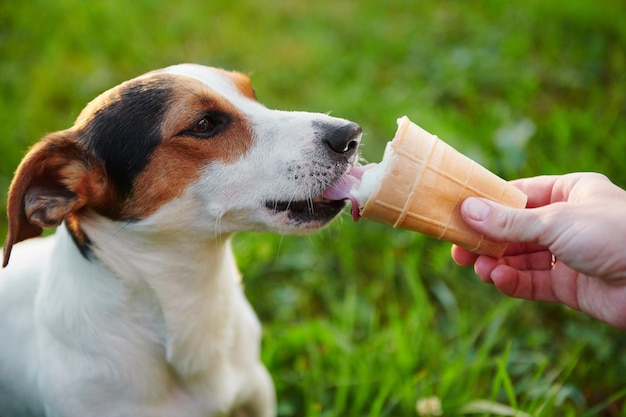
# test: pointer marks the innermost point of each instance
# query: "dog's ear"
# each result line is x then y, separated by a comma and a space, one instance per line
56, 178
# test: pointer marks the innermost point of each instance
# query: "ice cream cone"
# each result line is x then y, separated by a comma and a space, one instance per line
424, 185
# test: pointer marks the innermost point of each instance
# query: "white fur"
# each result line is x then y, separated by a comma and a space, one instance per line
156, 323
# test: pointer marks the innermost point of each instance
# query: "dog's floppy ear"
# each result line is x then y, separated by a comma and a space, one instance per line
56, 178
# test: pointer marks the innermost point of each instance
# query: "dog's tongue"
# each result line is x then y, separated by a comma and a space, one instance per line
341, 189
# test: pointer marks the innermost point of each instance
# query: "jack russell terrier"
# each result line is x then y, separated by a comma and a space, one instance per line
134, 307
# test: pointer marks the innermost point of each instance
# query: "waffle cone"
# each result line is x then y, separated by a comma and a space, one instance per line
425, 184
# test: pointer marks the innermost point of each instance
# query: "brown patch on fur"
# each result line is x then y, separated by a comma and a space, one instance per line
242, 82
56, 179
179, 159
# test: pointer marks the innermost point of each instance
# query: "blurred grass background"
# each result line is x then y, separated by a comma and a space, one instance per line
361, 319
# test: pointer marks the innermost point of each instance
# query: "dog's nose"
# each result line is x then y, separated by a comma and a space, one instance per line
344, 140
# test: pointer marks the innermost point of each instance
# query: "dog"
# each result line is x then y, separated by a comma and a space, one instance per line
134, 306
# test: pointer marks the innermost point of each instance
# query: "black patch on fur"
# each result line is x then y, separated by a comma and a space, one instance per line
125, 133
83, 245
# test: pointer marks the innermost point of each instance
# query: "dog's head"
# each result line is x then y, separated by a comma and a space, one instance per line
185, 148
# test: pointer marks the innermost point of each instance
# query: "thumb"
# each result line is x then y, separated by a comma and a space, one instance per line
501, 223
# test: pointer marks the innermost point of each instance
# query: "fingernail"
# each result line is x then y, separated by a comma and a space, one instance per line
476, 209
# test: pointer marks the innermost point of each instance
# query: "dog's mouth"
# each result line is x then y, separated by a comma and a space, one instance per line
325, 206
317, 209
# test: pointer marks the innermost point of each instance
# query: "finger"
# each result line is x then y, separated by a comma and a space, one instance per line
529, 285
485, 265
548, 189
462, 256
523, 248
502, 223
537, 189
541, 260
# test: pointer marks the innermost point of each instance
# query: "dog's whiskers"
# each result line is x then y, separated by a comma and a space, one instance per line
309, 202
218, 226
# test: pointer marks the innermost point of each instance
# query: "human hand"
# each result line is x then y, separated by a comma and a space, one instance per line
568, 246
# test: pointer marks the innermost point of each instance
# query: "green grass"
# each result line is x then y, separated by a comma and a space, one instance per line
361, 319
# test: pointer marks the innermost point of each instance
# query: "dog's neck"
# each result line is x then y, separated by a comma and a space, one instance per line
195, 285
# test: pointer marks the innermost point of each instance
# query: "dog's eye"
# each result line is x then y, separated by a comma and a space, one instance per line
209, 126
203, 126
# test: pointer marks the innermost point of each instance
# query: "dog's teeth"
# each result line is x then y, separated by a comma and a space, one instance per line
317, 199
